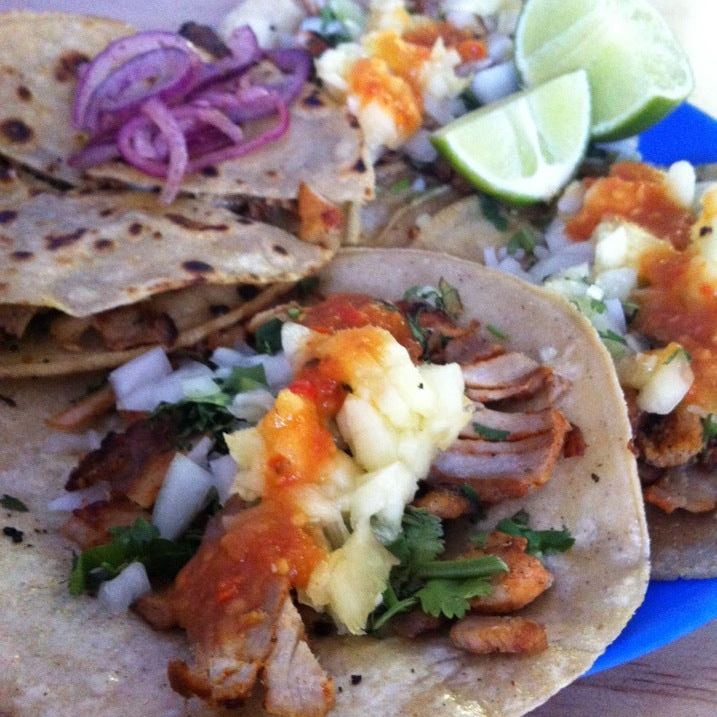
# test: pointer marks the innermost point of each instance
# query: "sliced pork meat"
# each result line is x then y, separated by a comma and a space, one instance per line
510, 426
444, 503
90, 526
470, 348
526, 579
672, 440
231, 598
84, 412
483, 635
499, 470
689, 488
134, 462
295, 682
414, 623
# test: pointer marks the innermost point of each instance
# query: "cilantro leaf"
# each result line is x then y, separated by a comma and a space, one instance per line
268, 337
244, 378
491, 210
709, 428
141, 542
496, 332
678, 352
490, 434
611, 335
523, 239
450, 299
192, 418
451, 597
421, 539
421, 335
540, 542
9, 502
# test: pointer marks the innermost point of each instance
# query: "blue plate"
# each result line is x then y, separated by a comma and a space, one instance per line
671, 609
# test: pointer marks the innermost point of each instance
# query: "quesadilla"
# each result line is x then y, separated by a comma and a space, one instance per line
91, 279
115, 664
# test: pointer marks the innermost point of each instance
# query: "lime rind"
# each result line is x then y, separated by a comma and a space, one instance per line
638, 72
526, 147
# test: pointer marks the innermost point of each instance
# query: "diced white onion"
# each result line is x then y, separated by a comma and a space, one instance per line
511, 266
500, 47
199, 386
617, 283
224, 471
72, 500
72, 442
572, 198
251, 405
277, 369
167, 389
667, 386
616, 314
547, 354
681, 181
200, 451
140, 371
181, 496
419, 147
495, 82
419, 185
555, 236
576, 253
490, 257
120, 592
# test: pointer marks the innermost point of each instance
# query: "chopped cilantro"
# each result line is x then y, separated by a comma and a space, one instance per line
490, 434
332, 31
244, 378
496, 332
268, 337
192, 418
138, 542
9, 502
421, 335
679, 353
472, 494
709, 428
402, 185
445, 297
491, 209
441, 587
523, 239
540, 542
294, 312
598, 306
610, 335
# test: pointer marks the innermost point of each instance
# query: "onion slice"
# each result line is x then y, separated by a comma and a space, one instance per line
120, 592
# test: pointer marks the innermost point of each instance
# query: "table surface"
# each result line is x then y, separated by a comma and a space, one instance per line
679, 680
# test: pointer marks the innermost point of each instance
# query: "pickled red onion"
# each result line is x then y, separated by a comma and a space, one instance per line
152, 100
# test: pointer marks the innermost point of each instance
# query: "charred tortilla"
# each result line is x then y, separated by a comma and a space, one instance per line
82, 255
64, 650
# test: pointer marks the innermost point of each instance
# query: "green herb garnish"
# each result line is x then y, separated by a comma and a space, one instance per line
523, 239
610, 335
440, 587
445, 298
491, 209
490, 434
268, 337
141, 542
679, 352
192, 418
540, 542
598, 306
709, 428
9, 502
496, 332
400, 186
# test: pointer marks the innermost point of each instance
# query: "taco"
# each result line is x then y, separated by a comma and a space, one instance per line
43, 53
91, 279
115, 664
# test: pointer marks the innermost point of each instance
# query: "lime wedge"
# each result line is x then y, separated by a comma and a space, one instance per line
637, 70
526, 147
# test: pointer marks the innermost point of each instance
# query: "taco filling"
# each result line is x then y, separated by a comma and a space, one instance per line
388, 419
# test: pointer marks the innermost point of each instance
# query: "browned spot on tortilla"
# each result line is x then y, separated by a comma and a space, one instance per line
218, 309
353, 122
360, 165
245, 220
278, 249
197, 267
22, 255
15, 130
135, 228
6, 240
313, 100
24, 93
102, 244
56, 241
68, 63
156, 235
271, 173
7, 216
4, 285
210, 171
247, 291
194, 225
106, 212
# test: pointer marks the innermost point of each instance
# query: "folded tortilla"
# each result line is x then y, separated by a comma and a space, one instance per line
40, 54
68, 653
85, 254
